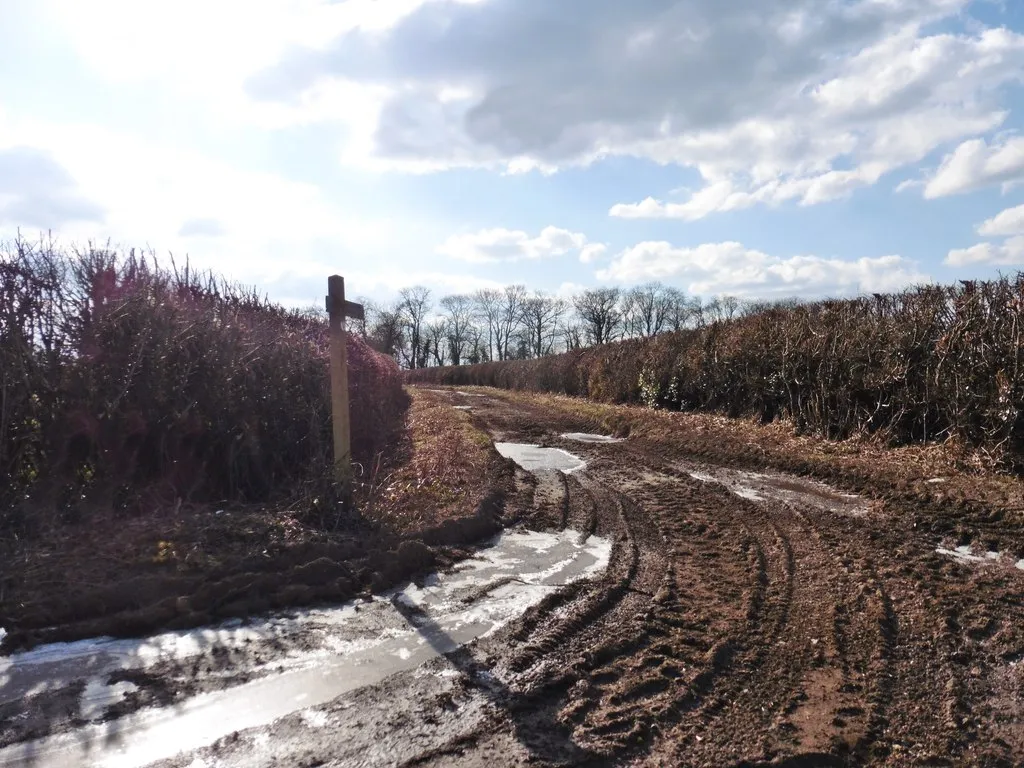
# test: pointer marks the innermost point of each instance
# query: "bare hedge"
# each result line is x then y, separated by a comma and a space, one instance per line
930, 363
127, 384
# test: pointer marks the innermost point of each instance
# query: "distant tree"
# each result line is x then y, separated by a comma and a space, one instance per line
487, 307
572, 333
730, 306
599, 314
385, 328
459, 317
437, 335
679, 309
415, 305
646, 309
510, 315
541, 316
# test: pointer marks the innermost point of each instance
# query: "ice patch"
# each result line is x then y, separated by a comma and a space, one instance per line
791, 490
533, 457
964, 554
98, 697
584, 437
332, 651
315, 718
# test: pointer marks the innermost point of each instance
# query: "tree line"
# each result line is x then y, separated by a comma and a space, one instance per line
513, 323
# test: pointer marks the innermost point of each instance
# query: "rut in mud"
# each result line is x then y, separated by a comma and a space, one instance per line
752, 617
744, 618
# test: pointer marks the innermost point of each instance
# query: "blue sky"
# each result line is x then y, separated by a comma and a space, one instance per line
757, 147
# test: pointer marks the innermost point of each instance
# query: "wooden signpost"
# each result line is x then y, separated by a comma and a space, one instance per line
337, 310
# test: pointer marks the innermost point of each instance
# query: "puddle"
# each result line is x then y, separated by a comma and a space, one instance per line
584, 437
533, 457
468, 394
789, 489
98, 697
964, 554
343, 648
463, 407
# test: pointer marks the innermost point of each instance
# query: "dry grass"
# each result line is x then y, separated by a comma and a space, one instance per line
445, 468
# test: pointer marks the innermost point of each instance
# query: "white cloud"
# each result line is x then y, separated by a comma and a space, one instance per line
495, 245
975, 164
1008, 253
1005, 223
729, 267
785, 100
174, 199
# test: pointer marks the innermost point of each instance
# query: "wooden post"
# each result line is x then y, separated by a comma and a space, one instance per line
337, 310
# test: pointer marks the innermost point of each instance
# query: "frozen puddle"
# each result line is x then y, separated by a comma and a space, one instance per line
968, 556
343, 648
788, 489
533, 457
583, 437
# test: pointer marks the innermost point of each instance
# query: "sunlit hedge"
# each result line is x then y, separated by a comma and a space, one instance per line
926, 364
127, 384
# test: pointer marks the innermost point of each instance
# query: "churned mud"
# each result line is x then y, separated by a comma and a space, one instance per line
741, 616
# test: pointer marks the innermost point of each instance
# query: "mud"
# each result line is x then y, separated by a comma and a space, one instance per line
746, 617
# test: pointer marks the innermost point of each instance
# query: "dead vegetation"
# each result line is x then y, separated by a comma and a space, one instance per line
929, 364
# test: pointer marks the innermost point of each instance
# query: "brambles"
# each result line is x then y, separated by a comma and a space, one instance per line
128, 385
931, 363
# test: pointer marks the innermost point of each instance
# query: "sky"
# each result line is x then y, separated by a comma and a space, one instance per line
761, 148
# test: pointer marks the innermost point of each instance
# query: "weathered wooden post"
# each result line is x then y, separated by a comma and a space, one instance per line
337, 310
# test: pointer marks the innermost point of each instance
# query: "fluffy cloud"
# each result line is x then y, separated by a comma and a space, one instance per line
729, 267
1008, 253
95, 183
37, 192
493, 245
770, 100
975, 164
1006, 223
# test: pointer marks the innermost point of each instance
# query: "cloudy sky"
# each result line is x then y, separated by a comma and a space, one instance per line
756, 147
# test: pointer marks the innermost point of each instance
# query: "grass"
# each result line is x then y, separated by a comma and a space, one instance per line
445, 467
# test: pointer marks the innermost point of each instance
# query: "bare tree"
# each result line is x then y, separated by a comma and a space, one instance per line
459, 317
598, 311
541, 315
510, 312
385, 328
730, 306
646, 309
679, 310
415, 305
572, 333
487, 305
437, 333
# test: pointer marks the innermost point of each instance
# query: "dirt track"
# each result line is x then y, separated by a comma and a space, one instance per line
744, 619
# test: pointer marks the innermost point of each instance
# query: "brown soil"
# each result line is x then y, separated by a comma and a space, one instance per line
733, 631
193, 565
789, 628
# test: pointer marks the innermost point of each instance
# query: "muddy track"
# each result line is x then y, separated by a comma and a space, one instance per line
741, 629
743, 619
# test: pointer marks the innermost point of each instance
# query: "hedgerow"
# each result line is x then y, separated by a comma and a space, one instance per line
929, 363
129, 385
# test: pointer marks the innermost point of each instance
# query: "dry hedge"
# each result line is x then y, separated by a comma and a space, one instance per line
930, 363
127, 384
